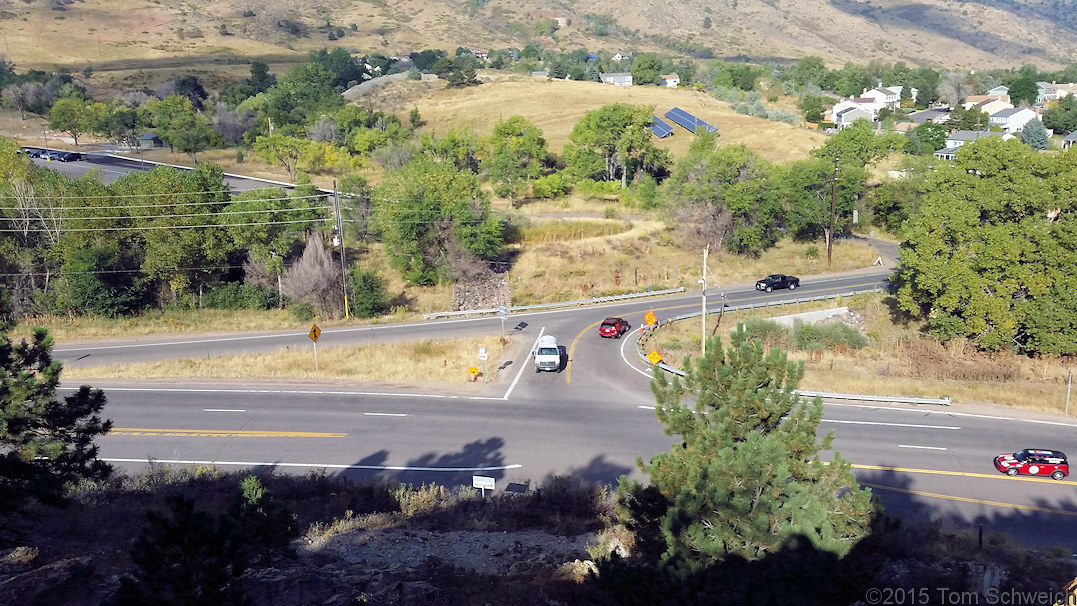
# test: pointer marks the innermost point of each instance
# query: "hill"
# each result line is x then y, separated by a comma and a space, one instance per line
132, 36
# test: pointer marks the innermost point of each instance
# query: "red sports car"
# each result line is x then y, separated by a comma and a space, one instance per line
1034, 462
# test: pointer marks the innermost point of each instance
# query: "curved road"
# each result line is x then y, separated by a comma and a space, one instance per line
591, 420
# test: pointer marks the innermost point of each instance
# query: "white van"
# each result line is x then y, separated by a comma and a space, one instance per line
547, 355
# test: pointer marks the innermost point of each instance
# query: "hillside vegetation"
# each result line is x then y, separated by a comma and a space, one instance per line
133, 38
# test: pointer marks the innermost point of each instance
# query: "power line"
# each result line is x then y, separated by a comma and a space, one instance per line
232, 212
167, 204
144, 227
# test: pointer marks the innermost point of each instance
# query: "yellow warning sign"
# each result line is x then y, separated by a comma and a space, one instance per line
650, 319
654, 356
315, 332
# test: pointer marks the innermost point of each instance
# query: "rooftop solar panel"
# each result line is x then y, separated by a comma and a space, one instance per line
688, 121
660, 128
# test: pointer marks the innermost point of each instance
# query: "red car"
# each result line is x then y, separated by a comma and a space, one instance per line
1034, 462
613, 328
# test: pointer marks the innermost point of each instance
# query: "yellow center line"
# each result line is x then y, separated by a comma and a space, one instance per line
572, 348
947, 497
966, 474
221, 433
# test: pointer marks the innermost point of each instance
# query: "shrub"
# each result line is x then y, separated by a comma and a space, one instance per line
769, 332
550, 186
236, 295
828, 335
368, 293
302, 312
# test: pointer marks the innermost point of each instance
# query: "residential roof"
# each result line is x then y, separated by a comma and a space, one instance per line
1006, 113
970, 135
1071, 137
928, 115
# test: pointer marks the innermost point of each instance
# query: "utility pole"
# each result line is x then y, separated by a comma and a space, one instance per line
343, 253
703, 281
833, 198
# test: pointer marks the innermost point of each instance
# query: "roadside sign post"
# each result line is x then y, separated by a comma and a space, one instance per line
314, 333
504, 313
482, 483
482, 358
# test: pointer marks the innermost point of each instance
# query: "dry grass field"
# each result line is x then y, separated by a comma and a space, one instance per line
899, 360
555, 106
428, 363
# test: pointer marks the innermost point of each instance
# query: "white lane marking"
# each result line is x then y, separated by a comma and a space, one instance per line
951, 427
519, 373
953, 414
306, 392
385, 414
224, 410
646, 407
315, 465
635, 333
921, 447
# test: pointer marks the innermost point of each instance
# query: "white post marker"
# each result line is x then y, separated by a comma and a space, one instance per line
482, 483
482, 358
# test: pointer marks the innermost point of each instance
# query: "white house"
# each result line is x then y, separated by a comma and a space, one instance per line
961, 137
883, 97
617, 78
999, 91
988, 106
1046, 92
865, 104
1012, 120
621, 56
847, 116
670, 80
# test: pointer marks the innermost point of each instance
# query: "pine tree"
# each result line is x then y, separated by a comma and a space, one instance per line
1034, 134
184, 558
746, 477
264, 522
45, 443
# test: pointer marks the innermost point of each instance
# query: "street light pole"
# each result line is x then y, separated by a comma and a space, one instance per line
833, 197
340, 232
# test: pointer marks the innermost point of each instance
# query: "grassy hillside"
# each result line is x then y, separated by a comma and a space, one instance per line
136, 39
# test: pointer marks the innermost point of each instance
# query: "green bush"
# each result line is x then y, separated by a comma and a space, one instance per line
828, 335
236, 295
303, 312
368, 293
769, 332
550, 186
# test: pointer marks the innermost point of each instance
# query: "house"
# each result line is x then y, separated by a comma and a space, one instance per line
988, 106
1012, 120
670, 80
1066, 89
847, 116
936, 116
961, 137
866, 105
479, 54
149, 140
617, 78
981, 98
1046, 92
882, 97
999, 91
1069, 140
621, 56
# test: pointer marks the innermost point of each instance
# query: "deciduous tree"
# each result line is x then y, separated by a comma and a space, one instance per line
517, 155
613, 142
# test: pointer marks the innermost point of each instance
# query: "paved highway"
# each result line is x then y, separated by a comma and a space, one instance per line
591, 420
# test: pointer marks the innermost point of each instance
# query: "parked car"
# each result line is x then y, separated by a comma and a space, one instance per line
31, 152
66, 156
613, 328
1034, 462
49, 154
773, 281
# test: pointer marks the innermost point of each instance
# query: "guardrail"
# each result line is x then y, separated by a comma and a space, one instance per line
506, 309
945, 401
